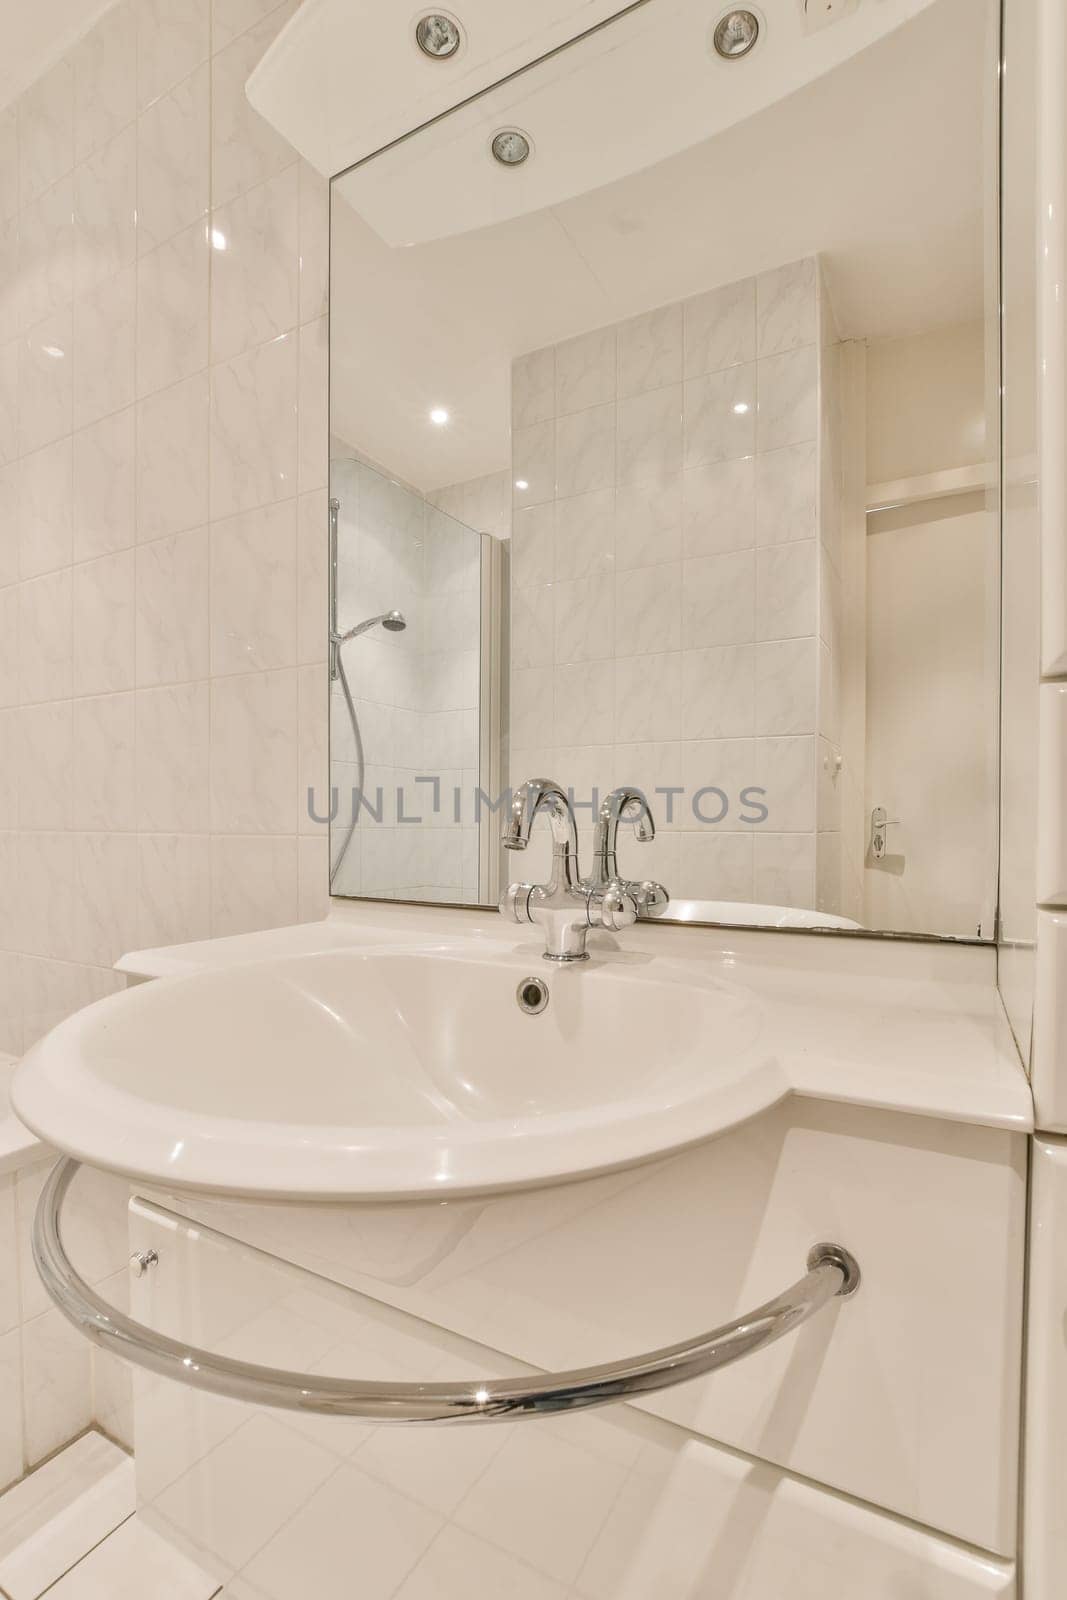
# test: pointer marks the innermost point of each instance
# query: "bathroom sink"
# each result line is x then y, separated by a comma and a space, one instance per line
396, 1073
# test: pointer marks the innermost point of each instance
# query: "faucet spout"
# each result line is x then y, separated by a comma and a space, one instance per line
530, 800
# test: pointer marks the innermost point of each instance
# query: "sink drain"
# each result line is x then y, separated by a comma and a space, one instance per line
532, 995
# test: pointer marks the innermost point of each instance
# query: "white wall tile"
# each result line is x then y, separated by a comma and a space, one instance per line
174, 888
173, 756
788, 399
46, 131
720, 328
104, 772
45, 636
254, 590
45, 381
173, 37
254, 753
720, 415
255, 266
172, 459
585, 371
786, 313
173, 310
104, 486
105, 211
46, 510
174, 160
105, 79
585, 451
45, 276
105, 348
245, 150
104, 624
173, 581
43, 765
254, 436
56, 1384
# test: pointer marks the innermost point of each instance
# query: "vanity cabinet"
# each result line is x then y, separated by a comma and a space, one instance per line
905, 1397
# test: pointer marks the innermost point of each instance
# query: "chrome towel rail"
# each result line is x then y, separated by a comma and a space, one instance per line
832, 1273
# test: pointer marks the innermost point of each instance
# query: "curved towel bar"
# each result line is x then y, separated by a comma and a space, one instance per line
831, 1272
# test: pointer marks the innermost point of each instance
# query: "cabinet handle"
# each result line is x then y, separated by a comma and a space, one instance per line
832, 1272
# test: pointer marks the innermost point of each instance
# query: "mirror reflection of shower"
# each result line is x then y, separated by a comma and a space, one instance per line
394, 622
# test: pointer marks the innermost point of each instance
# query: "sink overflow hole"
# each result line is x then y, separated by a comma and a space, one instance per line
532, 995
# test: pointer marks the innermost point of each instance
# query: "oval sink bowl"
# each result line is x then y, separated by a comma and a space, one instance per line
398, 1073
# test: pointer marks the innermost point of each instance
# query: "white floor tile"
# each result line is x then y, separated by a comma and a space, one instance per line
457, 1566
135, 1563
50, 1519
233, 1500
354, 1537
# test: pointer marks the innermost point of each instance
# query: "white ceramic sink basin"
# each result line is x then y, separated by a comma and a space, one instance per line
397, 1073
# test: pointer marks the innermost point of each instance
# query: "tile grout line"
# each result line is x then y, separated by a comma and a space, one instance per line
84, 1555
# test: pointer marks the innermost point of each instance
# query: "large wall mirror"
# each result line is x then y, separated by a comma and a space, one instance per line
664, 444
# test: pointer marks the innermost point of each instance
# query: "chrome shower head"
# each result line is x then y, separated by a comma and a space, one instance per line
394, 621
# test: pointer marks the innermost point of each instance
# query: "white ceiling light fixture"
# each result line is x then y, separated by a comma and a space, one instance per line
439, 416
511, 147
736, 33
438, 36
521, 484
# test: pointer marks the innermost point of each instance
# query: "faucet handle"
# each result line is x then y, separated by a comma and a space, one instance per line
614, 908
515, 902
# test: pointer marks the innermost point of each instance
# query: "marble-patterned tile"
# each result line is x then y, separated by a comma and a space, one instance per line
786, 309
103, 770
788, 398
786, 590
105, 79
784, 867
584, 619
10, 358
254, 590
254, 730
649, 436
720, 328
719, 507
105, 333
44, 766
585, 451
174, 888
9, 162
650, 350
716, 865
648, 697
104, 624
718, 692
715, 773
45, 388
105, 211
104, 486
786, 685
10, 664
10, 307
533, 623
45, 871
174, 160
585, 371
173, 430
254, 883
173, 38
254, 432
45, 634
533, 460
10, 1387
719, 600
9, 524
255, 266
720, 415
314, 228
173, 310
173, 590
648, 523
312, 578
585, 536
46, 131
313, 459
533, 545
46, 509
786, 771
786, 483
581, 704
104, 897
245, 149
173, 728
45, 280
533, 387
648, 610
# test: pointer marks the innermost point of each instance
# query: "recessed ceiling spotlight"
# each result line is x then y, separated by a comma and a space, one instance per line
439, 416
741, 407
438, 36
510, 147
735, 34
521, 484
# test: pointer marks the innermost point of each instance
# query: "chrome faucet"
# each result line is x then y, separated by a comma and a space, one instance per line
565, 907
624, 805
